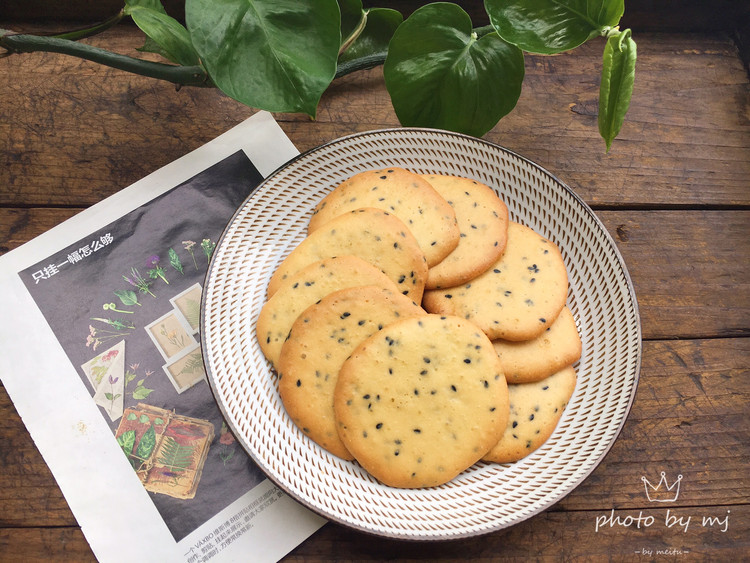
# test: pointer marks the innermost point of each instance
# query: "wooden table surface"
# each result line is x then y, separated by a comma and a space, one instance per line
674, 192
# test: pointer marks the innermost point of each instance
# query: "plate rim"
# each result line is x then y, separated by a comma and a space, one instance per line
417, 538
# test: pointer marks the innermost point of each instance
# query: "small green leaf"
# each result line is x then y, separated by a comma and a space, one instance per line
169, 34
147, 443
616, 87
143, 419
109, 396
552, 26
127, 441
132, 416
174, 260
158, 421
141, 392
380, 25
277, 55
440, 75
127, 297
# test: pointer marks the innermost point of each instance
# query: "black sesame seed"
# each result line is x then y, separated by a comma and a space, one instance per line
379, 425
515, 423
299, 383
531, 417
467, 360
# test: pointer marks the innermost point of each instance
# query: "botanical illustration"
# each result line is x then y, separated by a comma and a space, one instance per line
187, 370
166, 450
188, 304
170, 336
105, 373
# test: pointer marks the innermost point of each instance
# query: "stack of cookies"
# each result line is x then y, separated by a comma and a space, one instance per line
417, 330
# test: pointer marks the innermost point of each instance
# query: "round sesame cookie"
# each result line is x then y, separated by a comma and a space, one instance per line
403, 193
421, 400
518, 297
321, 339
483, 223
374, 235
535, 410
531, 360
305, 288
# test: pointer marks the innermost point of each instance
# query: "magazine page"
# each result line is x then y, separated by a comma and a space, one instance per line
102, 359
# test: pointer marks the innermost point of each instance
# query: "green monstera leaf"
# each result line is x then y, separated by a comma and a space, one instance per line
278, 55
552, 26
440, 74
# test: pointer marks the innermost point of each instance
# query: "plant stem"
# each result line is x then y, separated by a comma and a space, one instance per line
183, 75
77, 34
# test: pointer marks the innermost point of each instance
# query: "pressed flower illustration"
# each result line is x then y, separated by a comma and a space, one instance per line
137, 280
189, 244
127, 297
208, 247
111, 397
117, 324
226, 439
113, 307
174, 260
155, 269
174, 337
140, 391
96, 336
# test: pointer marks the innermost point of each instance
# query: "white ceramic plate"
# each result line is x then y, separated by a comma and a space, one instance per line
486, 497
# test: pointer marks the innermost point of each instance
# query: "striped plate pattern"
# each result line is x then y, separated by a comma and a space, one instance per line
487, 497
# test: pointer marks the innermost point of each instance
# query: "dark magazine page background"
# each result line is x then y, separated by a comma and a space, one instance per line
141, 345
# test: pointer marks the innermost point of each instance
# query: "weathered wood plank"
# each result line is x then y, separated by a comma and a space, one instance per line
18, 226
558, 536
689, 417
719, 534
687, 267
74, 132
33, 545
